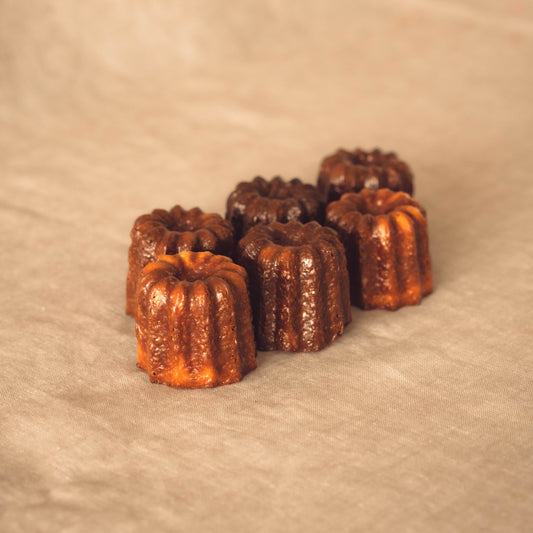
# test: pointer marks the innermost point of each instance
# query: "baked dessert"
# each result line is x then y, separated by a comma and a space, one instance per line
171, 232
299, 285
193, 321
386, 240
262, 202
346, 171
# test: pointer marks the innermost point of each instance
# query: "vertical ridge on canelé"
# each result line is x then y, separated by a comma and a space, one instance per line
223, 328
311, 288
419, 220
408, 266
286, 297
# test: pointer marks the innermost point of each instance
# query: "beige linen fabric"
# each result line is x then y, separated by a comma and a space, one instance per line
414, 421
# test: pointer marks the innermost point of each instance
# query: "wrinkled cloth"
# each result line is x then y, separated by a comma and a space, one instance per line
416, 420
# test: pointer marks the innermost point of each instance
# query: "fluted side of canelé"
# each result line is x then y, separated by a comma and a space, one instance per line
386, 240
170, 232
346, 171
262, 202
194, 321
299, 285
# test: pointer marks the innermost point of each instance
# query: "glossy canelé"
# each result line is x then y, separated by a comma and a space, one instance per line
261, 202
346, 171
299, 285
386, 240
194, 321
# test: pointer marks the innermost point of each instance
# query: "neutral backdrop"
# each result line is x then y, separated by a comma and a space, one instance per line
414, 421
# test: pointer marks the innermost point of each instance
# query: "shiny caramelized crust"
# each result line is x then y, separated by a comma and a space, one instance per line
262, 202
299, 285
346, 171
386, 240
170, 232
194, 321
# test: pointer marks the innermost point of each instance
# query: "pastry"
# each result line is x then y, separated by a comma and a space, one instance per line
194, 321
386, 240
262, 202
299, 285
346, 171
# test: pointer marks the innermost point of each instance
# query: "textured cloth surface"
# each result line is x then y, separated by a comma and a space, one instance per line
416, 420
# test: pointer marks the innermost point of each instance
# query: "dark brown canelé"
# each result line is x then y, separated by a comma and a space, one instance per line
262, 202
346, 171
386, 240
299, 285
194, 322
170, 232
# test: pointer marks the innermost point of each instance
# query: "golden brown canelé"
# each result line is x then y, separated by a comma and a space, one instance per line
194, 321
386, 240
262, 202
170, 232
299, 285
346, 171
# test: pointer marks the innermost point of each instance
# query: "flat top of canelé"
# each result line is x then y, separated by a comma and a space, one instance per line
369, 202
289, 234
192, 266
178, 219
